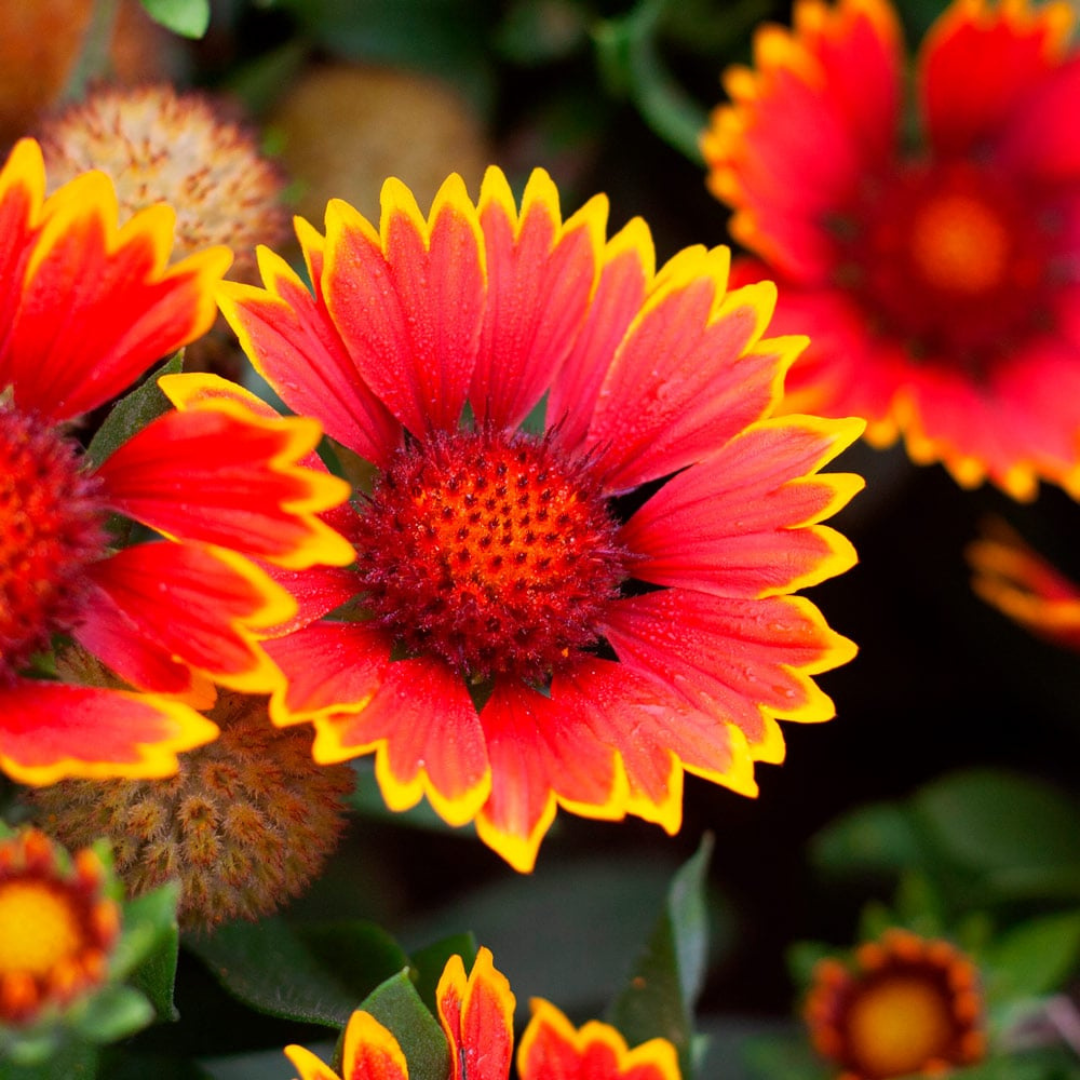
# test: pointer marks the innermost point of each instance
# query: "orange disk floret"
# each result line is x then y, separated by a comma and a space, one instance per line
57, 926
907, 1005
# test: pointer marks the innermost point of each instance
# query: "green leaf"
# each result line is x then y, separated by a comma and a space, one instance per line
1035, 958
132, 413
658, 1000
188, 18
149, 925
878, 839
428, 964
397, 1006
994, 820
115, 1013
72, 1061
156, 977
298, 974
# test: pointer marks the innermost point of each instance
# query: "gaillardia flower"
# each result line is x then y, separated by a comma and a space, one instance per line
85, 309
565, 610
939, 283
908, 1006
57, 926
476, 1014
1020, 583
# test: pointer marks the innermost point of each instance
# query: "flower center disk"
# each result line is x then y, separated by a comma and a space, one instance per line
51, 528
492, 551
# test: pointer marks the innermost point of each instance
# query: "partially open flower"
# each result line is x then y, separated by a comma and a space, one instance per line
245, 824
57, 926
908, 1006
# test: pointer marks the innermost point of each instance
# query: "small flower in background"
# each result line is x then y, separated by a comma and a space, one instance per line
938, 285
476, 1014
906, 1006
85, 309
67, 945
1013, 578
159, 145
340, 130
520, 635
57, 926
244, 826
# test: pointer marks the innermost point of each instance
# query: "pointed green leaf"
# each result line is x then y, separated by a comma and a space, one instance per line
878, 839
659, 999
115, 1013
397, 1006
1035, 958
133, 412
149, 926
188, 18
156, 976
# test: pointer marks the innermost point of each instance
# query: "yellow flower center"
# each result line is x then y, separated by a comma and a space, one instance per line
898, 1026
960, 244
38, 928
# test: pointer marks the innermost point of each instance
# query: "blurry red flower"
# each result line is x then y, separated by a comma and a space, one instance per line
535, 618
939, 283
85, 309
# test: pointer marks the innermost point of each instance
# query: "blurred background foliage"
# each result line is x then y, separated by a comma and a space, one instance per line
942, 797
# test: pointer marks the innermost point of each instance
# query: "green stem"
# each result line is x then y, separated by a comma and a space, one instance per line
93, 59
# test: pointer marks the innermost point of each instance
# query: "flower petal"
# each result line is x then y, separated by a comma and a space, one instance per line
540, 752
22, 192
371, 1051
690, 374
540, 279
741, 522
198, 604
427, 736
289, 337
408, 301
99, 305
551, 1049
220, 473
51, 731
742, 661
979, 64
477, 1015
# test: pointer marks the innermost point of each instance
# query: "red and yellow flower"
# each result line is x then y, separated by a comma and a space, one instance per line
907, 1006
939, 285
85, 309
568, 612
1020, 583
477, 1013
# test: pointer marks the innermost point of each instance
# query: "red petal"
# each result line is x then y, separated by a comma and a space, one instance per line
291, 339
739, 660
329, 667
197, 604
408, 304
220, 474
424, 726
51, 731
539, 750
738, 524
477, 1015
552, 1050
978, 66
99, 306
540, 277
690, 375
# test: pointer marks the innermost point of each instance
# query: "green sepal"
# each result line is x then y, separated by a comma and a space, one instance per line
133, 412
659, 998
399, 1008
114, 1013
